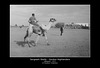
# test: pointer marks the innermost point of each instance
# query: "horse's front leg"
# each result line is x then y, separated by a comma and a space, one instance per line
37, 39
46, 39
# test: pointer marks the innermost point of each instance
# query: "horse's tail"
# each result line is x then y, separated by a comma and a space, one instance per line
26, 34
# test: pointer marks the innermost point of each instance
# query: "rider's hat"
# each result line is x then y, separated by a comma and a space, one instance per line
33, 14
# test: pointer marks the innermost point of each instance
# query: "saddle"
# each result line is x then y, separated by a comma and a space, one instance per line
38, 30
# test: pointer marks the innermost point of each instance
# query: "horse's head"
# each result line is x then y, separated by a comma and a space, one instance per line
52, 20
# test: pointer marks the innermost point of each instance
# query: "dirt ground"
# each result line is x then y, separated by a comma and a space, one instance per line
73, 43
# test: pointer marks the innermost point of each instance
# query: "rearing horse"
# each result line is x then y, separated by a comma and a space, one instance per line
40, 31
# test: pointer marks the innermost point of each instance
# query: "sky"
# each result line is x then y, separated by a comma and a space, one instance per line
19, 14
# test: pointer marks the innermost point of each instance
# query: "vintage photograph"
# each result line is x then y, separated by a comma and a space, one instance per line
50, 31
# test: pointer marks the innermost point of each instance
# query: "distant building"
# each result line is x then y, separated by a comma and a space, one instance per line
77, 25
83, 24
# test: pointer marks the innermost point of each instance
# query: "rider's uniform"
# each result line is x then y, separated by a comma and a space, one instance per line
32, 22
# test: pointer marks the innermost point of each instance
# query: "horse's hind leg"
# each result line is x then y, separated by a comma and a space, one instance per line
29, 35
28, 43
27, 40
26, 35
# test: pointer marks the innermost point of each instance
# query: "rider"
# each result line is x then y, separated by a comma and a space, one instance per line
32, 21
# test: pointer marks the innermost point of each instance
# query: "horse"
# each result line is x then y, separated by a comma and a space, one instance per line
40, 31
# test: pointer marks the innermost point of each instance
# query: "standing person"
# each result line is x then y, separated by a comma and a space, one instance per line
61, 30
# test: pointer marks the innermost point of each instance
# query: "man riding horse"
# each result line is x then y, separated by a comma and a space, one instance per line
34, 27
33, 23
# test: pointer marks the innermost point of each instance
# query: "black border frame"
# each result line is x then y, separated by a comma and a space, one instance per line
76, 60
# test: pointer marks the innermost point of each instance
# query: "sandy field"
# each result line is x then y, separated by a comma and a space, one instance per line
73, 43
